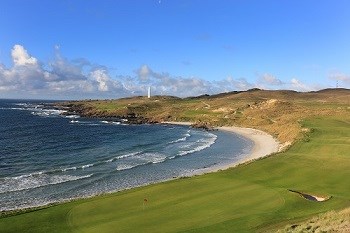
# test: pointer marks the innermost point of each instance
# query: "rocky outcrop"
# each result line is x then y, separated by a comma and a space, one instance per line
203, 125
90, 112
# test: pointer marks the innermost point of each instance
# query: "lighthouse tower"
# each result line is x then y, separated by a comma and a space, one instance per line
149, 92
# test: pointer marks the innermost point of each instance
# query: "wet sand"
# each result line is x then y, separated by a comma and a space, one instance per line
264, 145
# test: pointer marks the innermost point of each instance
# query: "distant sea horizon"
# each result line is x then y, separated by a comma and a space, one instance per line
46, 157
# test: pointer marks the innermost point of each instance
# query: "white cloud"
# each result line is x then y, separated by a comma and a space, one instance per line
143, 72
165, 84
62, 78
21, 57
102, 79
105, 82
62, 69
79, 78
230, 84
299, 86
270, 79
338, 76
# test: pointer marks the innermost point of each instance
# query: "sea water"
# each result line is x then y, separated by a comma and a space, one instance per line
47, 157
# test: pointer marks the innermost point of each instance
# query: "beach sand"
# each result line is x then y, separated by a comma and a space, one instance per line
264, 145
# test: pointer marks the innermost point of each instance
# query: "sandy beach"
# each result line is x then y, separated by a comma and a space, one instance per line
264, 145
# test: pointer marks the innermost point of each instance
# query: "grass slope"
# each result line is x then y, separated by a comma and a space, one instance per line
251, 197
327, 222
271, 111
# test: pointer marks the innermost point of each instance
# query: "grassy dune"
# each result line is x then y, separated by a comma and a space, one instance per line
271, 111
251, 197
331, 221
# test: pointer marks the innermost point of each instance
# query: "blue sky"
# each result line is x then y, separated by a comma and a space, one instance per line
108, 49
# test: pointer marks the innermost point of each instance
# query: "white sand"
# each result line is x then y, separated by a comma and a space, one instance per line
264, 145
311, 197
177, 123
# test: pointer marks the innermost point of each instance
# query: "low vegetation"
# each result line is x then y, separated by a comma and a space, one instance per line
276, 112
252, 197
328, 222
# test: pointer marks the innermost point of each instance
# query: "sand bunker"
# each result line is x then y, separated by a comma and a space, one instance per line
310, 197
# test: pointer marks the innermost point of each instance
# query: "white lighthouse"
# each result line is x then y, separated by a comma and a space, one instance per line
149, 92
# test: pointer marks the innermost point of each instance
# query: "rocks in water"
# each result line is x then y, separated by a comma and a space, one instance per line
203, 125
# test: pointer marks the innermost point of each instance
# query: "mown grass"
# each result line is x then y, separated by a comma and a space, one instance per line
248, 198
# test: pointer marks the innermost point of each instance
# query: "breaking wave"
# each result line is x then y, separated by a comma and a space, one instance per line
34, 180
73, 156
202, 144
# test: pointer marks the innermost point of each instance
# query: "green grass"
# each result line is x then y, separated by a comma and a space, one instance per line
331, 221
251, 197
107, 106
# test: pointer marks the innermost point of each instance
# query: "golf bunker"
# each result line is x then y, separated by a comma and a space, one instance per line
311, 197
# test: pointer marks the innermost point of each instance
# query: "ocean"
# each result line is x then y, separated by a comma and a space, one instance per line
46, 157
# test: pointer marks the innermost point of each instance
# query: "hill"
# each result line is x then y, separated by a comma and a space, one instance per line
277, 112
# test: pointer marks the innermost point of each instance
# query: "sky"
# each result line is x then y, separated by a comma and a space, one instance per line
88, 49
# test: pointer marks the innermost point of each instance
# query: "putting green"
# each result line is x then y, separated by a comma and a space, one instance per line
247, 198
186, 204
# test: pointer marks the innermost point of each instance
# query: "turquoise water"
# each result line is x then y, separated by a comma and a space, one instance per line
46, 157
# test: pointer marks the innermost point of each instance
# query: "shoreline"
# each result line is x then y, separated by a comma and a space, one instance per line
264, 145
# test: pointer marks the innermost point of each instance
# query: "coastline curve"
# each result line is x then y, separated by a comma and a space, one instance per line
264, 145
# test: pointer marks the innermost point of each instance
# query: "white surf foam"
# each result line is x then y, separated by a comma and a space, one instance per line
72, 116
121, 167
178, 140
22, 109
142, 159
46, 112
182, 139
123, 156
87, 165
159, 160
154, 157
69, 168
111, 122
21, 104
128, 155
31, 181
201, 145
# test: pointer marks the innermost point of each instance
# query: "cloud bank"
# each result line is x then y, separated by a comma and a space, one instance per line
61, 79
80, 79
340, 77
